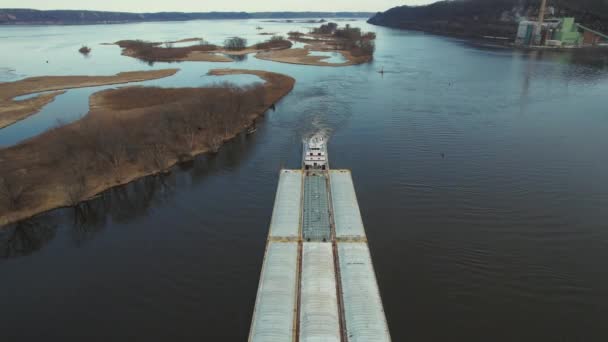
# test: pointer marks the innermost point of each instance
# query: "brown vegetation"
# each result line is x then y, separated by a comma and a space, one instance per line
355, 46
85, 50
274, 43
155, 52
348, 38
128, 133
188, 40
12, 111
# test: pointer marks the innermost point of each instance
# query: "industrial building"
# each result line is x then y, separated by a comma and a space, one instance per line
560, 32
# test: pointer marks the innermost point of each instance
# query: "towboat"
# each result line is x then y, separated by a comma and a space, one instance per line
314, 156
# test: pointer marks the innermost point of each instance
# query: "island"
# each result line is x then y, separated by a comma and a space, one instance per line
201, 52
355, 46
13, 110
128, 133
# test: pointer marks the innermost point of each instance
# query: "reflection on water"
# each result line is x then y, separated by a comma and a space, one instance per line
238, 58
25, 238
119, 205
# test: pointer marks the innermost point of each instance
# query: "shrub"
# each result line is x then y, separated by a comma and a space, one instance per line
235, 43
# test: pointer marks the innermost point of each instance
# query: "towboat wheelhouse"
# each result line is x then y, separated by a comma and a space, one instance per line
315, 153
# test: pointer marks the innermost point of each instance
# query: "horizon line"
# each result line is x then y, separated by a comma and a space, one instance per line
92, 10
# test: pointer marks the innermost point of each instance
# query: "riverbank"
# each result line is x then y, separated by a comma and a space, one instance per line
12, 110
128, 133
302, 56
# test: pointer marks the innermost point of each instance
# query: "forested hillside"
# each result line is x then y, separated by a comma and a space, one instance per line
478, 18
72, 17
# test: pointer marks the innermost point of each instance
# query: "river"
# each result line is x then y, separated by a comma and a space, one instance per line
482, 176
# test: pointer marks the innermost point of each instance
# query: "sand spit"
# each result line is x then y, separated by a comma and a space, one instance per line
302, 56
12, 111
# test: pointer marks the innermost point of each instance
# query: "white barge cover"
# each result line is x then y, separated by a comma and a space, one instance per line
275, 305
363, 310
347, 216
285, 222
317, 282
319, 316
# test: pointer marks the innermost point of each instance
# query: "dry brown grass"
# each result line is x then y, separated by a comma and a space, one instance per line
275, 44
153, 52
156, 52
301, 56
128, 133
12, 111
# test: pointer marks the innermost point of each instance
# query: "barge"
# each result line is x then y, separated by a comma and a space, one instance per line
317, 281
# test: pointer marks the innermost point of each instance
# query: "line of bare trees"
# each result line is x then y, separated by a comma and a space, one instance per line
235, 43
153, 51
176, 124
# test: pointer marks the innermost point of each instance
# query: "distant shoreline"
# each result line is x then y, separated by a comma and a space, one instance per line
10, 17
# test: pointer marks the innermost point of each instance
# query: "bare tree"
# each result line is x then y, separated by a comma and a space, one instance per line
76, 185
215, 143
259, 92
158, 155
235, 43
13, 190
294, 34
111, 145
76, 190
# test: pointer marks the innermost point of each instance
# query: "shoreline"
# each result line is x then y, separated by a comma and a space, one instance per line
12, 111
54, 192
496, 42
301, 56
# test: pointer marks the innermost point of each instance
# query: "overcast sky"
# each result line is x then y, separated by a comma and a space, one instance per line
213, 5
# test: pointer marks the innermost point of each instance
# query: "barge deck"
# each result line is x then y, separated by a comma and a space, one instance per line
318, 281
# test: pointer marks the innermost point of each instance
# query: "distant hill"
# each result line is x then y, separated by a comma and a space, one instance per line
76, 17
479, 18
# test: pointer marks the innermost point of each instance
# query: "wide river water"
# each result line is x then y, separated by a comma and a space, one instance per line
482, 176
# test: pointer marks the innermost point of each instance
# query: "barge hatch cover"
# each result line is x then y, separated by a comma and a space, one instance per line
318, 282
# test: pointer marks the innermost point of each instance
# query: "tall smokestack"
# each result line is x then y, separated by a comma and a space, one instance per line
541, 20
541, 13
